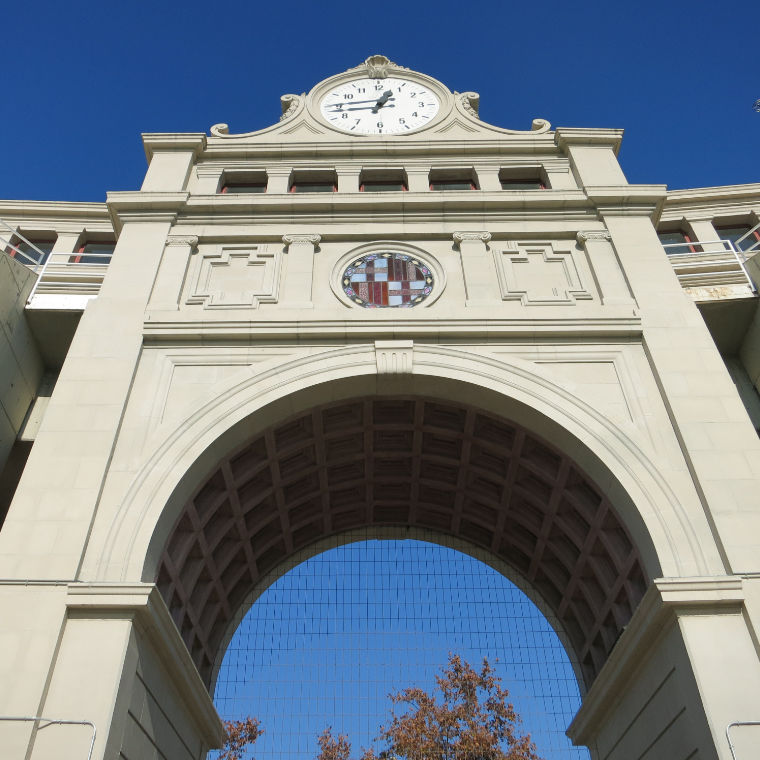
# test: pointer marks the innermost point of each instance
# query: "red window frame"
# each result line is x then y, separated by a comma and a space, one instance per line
522, 181
80, 253
755, 233
230, 187
305, 183
473, 186
35, 241
687, 241
402, 188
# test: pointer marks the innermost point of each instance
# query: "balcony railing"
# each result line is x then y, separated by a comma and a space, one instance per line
64, 279
709, 264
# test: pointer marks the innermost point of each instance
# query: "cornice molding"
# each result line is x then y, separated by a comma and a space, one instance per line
140, 206
194, 142
628, 200
616, 323
565, 137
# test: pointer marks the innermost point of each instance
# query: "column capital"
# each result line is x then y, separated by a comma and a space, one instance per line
460, 237
190, 240
584, 236
290, 239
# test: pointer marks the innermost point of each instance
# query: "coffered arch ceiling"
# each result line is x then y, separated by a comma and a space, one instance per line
402, 461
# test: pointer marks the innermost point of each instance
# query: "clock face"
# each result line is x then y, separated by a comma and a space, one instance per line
379, 106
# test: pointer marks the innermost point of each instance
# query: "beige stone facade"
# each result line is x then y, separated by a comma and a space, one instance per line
568, 400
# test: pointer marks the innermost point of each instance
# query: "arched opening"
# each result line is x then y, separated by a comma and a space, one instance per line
403, 461
325, 639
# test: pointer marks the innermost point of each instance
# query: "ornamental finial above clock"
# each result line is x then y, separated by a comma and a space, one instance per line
377, 67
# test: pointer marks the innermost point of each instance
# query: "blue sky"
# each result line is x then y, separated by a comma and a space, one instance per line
81, 80
328, 641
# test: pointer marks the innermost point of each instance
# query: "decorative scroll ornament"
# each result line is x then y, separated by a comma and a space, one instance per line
584, 236
471, 103
460, 237
289, 104
539, 126
378, 66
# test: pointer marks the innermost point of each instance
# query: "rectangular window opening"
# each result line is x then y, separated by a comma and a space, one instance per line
454, 179
244, 182
93, 252
25, 253
670, 239
313, 182
523, 178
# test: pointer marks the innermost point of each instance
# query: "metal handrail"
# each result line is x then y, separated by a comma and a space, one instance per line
738, 723
54, 722
727, 253
60, 263
18, 251
755, 245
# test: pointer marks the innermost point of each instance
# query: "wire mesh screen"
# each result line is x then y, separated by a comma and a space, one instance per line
327, 642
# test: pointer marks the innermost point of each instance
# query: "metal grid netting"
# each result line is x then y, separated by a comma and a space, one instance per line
327, 642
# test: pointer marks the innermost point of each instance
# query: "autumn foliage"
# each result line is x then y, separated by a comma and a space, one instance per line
240, 734
469, 719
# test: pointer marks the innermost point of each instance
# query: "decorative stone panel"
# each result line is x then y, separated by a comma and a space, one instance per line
539, 274
237, 276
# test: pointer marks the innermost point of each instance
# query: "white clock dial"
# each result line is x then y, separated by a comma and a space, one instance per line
379, 106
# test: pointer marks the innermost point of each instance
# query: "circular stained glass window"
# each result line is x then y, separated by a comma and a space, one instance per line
387, 279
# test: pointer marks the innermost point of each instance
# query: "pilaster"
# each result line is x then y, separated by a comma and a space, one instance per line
480, 280
299, 271
605, 267
172, 270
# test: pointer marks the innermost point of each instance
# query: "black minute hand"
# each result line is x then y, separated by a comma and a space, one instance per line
383, 100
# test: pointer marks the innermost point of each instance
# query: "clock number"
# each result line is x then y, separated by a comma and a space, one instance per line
421, 104
344, 115
412, 94
402, 121
361, 89
414, 114
348, 96
379, 124
379, 86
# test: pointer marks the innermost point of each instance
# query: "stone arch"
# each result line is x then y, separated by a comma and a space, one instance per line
606, 459
401, 460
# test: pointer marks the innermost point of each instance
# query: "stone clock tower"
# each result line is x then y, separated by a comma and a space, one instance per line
382, 312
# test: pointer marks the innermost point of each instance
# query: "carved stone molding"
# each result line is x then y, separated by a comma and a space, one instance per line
470, 101
460, 237
290, 239
394, 357
190, 240
289, 104
378, 66
583, 236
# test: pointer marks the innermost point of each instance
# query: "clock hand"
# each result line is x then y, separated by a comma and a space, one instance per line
362, 108
354, 102
383, 100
